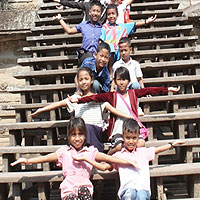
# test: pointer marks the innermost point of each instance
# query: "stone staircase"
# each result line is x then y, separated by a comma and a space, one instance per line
168, 55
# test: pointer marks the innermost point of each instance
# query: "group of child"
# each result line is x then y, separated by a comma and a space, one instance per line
101, 86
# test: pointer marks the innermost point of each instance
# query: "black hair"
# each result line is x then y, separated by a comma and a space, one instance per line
89, 71
112, 6
125, 40
76, 123
130, 126
103, 45
123, 73
96, 3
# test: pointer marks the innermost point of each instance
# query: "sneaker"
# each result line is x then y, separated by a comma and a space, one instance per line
140, 112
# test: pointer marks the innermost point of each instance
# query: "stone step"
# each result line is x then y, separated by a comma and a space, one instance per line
135, 43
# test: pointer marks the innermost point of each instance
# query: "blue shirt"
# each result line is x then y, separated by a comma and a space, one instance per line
103, 76
90, 34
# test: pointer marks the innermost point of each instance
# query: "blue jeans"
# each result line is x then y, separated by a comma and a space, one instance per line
133, 194
134, 85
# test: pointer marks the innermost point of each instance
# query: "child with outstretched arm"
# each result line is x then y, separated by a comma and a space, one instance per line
76, 183
135, 181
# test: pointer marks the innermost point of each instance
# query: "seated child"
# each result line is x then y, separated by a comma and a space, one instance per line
135, 181
122, 80
76, 183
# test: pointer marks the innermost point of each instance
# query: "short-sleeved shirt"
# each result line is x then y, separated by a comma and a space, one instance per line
133, 67
111, 34
75, 173
90, 35
103, 76
90, 112
131, 177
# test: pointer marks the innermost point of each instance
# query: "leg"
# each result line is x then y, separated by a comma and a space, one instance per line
143, 195
84, 193
97, 86
128, 194
116, 141
72, 196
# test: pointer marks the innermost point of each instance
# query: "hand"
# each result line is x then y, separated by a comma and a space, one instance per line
134, 164
73, 99
80, 158
173, 89
37, 112
60, 7
151, 19
20, 160
178, 142
57, 17
57, 1
112, 89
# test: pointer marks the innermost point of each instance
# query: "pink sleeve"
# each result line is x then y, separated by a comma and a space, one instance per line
93, 152
59, 153
150, 153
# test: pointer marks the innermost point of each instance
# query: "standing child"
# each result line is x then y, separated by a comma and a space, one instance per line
117, 99
91, 31
112, 32
135, 181
90, 112
76, 184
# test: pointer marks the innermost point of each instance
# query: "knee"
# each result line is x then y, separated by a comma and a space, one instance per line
97, 86
143, 195
129, 194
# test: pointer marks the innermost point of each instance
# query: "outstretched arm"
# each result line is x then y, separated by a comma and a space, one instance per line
67, 29
49, 107
146, 21
118, 112
52, 157
168, 146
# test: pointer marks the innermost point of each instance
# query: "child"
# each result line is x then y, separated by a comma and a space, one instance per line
98, 65
122, 80
90, 112
133, 67
91, 31
111, 32
135, 181
76, 184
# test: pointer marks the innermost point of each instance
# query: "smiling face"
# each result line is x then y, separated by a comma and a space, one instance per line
95, 13
125, 51
102, 58
77, 139
130, 140
122, 84
84, 81
112, 15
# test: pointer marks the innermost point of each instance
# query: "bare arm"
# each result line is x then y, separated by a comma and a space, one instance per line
52, 157
140, 81
146, 21
118, 112
168, 146
67, 29
49, 107
129, 2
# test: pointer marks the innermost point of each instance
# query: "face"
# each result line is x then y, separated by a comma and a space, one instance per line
77, 139
84, 81
122, 84
95, 13
125, 51
102, 58
112, 15
130, 140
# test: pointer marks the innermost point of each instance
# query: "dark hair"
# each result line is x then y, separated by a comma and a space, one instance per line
130, 126
103, 45
125, 40
95, 3
76, 123
123, 73
112, 6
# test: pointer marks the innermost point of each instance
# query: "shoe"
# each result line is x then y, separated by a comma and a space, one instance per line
140, 112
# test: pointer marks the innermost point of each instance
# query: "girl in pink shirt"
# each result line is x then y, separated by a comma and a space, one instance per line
76, 184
